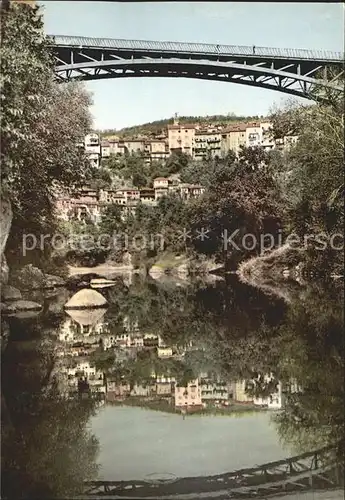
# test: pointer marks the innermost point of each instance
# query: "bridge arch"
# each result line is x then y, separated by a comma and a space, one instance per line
291, 71
254, 76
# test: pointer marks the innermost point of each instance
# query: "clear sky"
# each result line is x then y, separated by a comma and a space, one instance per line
131, 101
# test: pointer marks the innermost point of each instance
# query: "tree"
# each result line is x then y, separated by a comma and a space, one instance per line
101, 179
176, 162
314, 186
42, 124
111, 220
243, 197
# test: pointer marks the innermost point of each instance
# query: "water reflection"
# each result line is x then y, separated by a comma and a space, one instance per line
223, 349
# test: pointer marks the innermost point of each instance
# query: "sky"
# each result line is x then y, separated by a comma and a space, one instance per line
131, 101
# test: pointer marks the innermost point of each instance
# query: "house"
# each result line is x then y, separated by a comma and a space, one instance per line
207, 142
105, 149
147, 196
188, 396
164, 352
268, 142
151, 340
213, 390
181, 138
117, 390
253, 135
188, 191
158, 150
140, 390
238, 389
273, 401
161, 187
164, 388
233, 138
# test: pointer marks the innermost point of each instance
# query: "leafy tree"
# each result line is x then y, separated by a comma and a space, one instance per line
176, 162
42, 124
243, 197
111, 221
314, 185
101, 179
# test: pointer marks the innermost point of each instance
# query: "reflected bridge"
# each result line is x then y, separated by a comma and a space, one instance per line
299, 72
309, 471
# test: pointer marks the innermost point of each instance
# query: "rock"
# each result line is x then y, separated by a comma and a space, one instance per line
86, 299
56, 306
29, 278
4, 271
156, 272
26, 305
52, 281
7, 308
87, 317
9, 293
5, 222
5, 333
5, 226
20, 306
25, 314
101, 283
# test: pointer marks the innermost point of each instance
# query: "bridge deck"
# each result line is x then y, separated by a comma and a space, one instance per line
197, 48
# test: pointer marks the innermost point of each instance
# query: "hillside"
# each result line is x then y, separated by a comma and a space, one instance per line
159, 126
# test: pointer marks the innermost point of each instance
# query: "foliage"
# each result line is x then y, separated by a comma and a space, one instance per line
243, 197
314, 187
42, 125
38, 425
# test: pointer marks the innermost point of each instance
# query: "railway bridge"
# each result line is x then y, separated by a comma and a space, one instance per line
312, 74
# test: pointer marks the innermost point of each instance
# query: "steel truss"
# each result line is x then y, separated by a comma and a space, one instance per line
314, 470
292, 71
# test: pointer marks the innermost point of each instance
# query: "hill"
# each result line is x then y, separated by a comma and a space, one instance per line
159, 126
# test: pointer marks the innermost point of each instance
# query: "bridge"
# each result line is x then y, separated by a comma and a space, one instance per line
299, 72
309, 471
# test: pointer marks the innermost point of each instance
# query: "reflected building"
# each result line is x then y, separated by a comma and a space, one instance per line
188, 398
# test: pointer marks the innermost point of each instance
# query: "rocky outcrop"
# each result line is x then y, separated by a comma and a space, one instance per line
52, 281
18, 307
86, 299
5, 226
30, 277
278, 273
9, 293
282, 262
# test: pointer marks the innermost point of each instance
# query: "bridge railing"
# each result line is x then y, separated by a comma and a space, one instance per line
195, 48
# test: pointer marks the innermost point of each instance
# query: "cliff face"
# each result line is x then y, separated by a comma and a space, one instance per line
5, 226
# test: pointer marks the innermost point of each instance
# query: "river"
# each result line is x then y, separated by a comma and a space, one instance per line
136, 442
187, 381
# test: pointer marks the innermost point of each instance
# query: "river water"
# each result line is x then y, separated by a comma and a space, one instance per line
136, 442
170, 380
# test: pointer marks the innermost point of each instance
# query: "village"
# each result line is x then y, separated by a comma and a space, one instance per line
85, 333
197, 141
